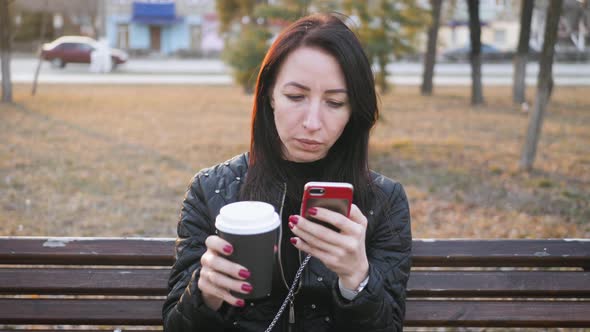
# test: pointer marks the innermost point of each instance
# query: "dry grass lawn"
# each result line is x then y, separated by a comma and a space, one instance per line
115, 160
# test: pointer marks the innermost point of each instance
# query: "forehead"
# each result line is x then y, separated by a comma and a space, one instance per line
312, 67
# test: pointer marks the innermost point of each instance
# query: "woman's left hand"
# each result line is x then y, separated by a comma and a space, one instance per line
344, 253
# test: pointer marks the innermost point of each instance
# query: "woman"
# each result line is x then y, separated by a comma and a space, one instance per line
315, 104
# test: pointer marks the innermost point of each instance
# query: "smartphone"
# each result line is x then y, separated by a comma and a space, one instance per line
335, 196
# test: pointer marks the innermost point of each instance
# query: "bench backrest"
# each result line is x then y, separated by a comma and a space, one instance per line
123, 281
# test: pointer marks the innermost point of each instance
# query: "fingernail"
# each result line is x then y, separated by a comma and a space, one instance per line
240, 303
294, 219
246, 288
228, 249
244, 273
293, 240
312, 211
291, 225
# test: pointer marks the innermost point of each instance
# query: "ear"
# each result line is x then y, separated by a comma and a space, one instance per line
272, 102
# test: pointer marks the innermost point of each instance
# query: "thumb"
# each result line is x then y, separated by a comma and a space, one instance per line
357, 216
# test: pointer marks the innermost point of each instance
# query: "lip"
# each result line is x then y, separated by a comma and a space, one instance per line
308, 144
308, 141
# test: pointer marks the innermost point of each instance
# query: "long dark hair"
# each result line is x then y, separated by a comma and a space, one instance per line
347, 160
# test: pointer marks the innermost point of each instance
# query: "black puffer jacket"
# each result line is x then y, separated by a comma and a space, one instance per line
319, 305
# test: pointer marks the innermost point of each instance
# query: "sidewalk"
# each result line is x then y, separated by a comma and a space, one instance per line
214, 71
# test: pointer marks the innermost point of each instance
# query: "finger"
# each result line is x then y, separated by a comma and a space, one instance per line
224, 282
304, 246
357, 216
219, 245
334, 218
213, 261
207, 287
318, 236
315, 233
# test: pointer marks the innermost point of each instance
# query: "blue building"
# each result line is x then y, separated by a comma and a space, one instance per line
185, 27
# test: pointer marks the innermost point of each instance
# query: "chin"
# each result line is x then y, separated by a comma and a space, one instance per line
306, 157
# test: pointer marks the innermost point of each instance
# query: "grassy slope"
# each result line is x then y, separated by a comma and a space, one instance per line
115, 160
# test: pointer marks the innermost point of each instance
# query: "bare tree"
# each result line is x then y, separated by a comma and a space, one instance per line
475, 34
41, 40
521, 57
430, 58
544, 85
5, 49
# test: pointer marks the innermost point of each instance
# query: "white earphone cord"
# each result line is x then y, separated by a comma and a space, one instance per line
289, 297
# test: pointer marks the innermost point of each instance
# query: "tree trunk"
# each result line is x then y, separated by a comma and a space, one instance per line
475, 34
520, 60
382, 76
430, 58
5, 48
544, 85
41, 41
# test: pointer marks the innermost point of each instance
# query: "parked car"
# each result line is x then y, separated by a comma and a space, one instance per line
488, 52
76, 49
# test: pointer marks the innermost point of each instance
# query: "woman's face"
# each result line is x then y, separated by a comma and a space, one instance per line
310, 104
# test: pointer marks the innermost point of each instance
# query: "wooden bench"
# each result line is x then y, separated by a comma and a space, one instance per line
120, 283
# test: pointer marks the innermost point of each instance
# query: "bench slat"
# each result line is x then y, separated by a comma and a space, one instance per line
78, 281
485, 253
48, 329
61, 329
448, 253
153, 282
419, 313
92, 312
89, 251
499, 284
497, 313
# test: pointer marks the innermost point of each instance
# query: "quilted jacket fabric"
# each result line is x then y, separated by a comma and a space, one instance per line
319, 305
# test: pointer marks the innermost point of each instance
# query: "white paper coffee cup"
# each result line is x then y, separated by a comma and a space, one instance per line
251, 228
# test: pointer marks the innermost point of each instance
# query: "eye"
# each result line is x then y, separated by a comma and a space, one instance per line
295, 97
335, 104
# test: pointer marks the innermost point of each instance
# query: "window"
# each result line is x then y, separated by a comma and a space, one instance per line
68, 46
84, 47
499, 36
196, 37
123, 36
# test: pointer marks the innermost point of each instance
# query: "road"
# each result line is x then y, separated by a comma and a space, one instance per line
214, 72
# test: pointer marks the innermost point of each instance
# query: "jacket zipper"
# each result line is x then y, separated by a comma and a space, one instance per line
291, 303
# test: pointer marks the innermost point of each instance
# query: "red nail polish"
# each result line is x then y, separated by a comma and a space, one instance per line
244, 274
291, 225
228, 249
293, 240
246, 288
312, 211
240, 303
294, 219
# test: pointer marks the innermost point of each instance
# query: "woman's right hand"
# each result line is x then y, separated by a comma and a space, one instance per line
219, 275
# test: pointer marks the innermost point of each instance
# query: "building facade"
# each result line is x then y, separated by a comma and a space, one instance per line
500, 28
499, 19
166, 27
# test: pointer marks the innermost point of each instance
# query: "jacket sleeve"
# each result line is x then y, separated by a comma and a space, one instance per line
184, 309
381, 304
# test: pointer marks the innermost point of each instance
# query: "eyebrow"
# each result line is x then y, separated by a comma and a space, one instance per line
303, 87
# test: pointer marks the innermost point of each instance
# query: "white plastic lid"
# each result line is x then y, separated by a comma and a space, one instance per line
246, 218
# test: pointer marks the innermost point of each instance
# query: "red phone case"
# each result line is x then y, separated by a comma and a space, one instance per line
335, 196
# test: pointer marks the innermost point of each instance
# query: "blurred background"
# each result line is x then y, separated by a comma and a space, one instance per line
110, 106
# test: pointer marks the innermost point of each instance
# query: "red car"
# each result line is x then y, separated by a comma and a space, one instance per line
76, 49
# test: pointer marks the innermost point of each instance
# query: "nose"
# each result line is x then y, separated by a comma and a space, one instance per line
312, 120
